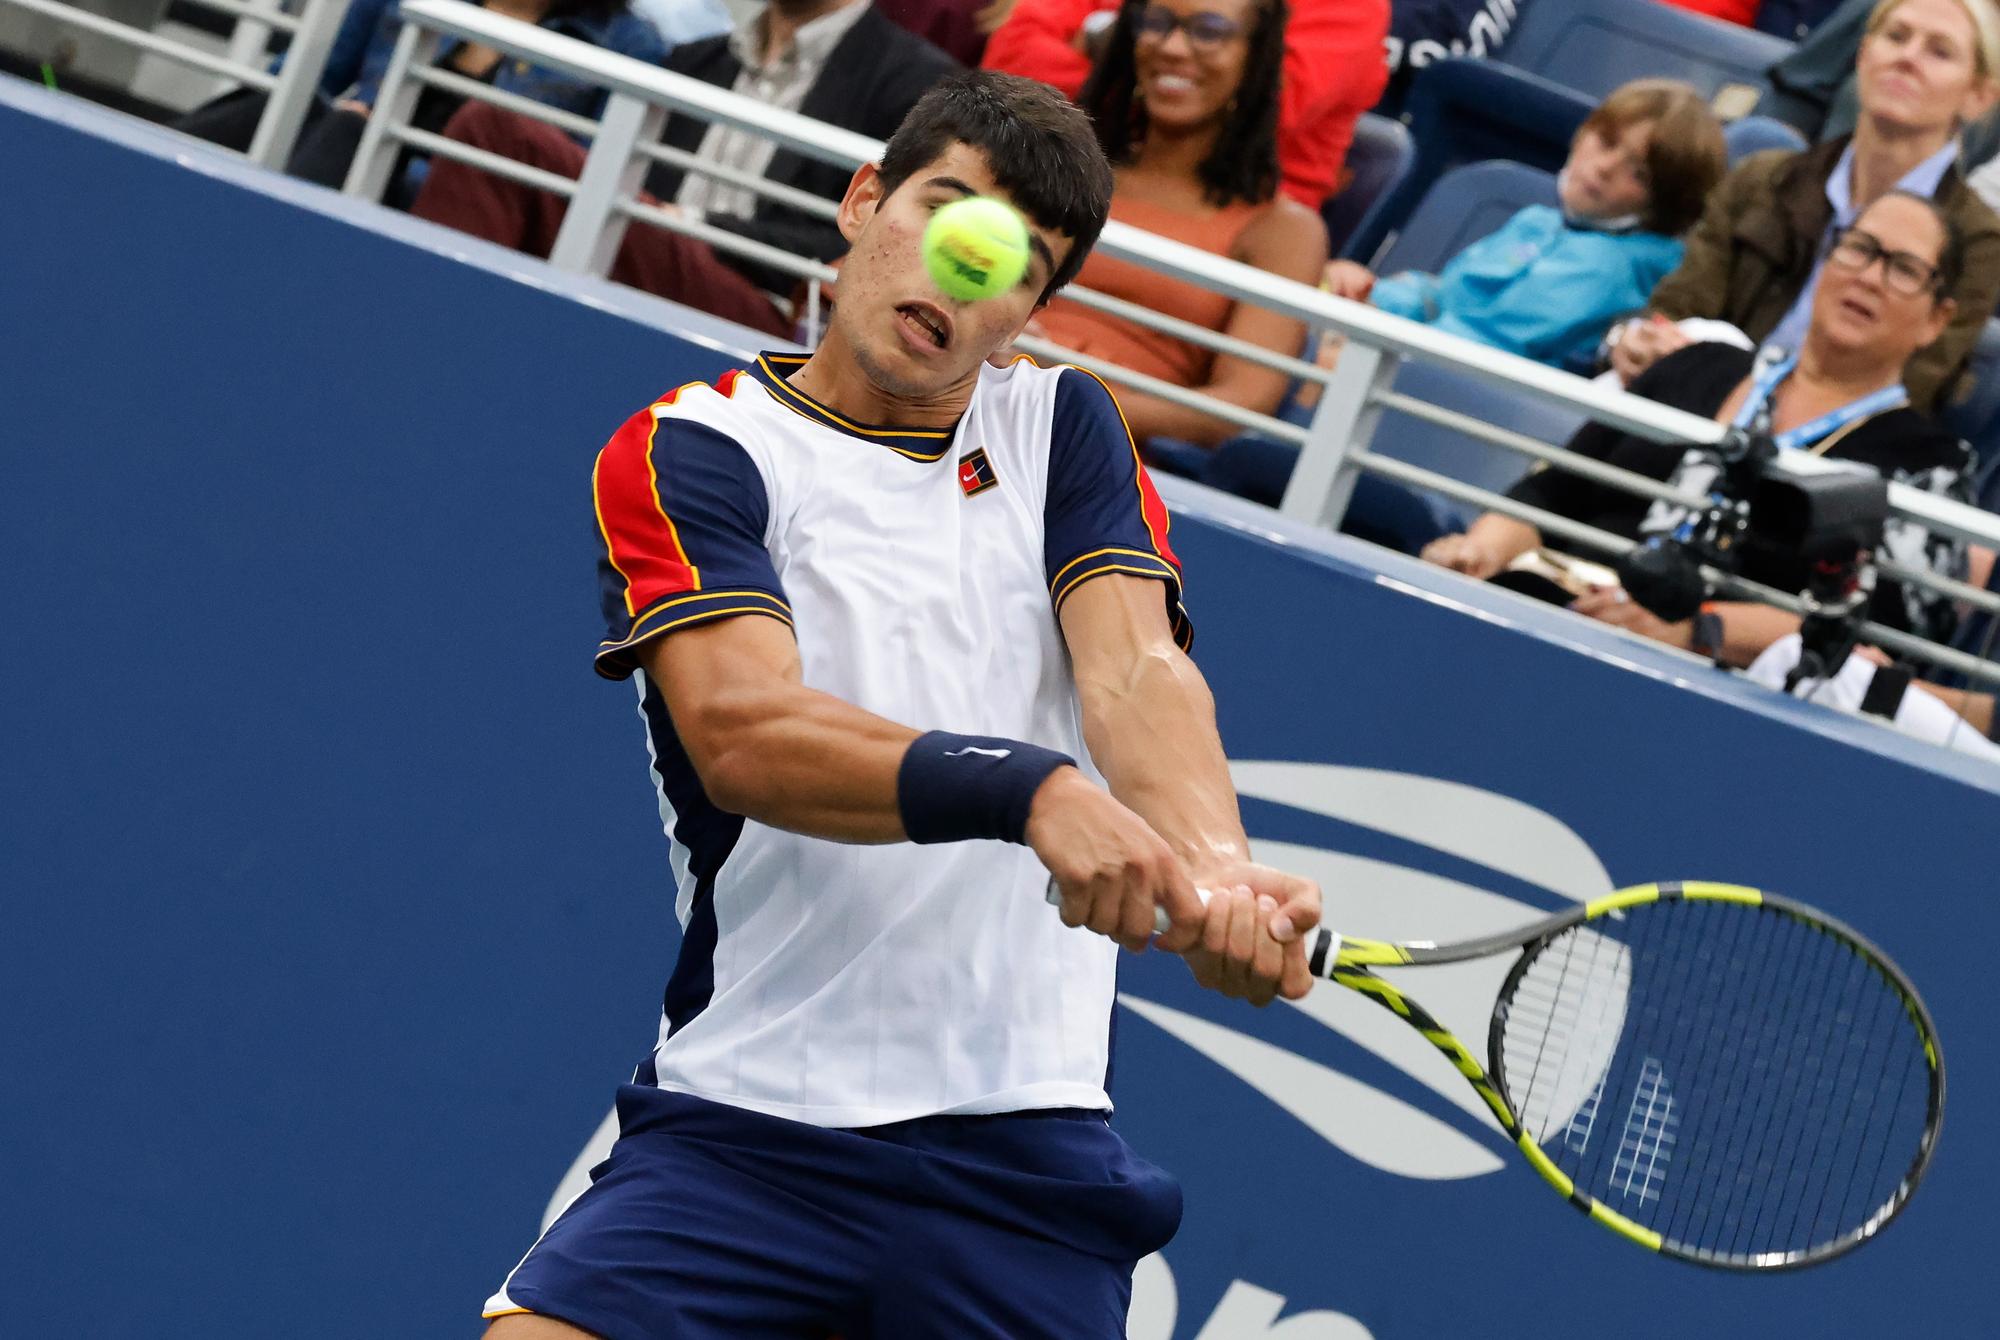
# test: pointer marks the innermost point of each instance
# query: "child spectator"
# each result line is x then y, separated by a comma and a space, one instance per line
1334, 70
1549, 282
1185, 100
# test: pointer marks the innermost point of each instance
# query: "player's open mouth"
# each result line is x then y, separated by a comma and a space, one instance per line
927, 321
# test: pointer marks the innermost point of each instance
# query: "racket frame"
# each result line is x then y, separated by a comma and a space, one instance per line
1352, 964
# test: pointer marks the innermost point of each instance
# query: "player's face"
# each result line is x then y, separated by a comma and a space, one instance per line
911, 339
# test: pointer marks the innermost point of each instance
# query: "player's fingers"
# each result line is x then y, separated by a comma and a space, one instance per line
1185, 914
1298, 912
1107, 906
1075, 905
1244, 925
1296, 978
1268, 956
1135, 918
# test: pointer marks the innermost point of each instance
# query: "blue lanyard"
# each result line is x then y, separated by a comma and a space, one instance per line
1757, 406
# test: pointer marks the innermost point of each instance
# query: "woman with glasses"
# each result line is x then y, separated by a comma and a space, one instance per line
1335, 68
1185, 102
1924, 68
1881, 297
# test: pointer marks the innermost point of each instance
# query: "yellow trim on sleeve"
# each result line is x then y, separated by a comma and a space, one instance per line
659, 609
508, 1312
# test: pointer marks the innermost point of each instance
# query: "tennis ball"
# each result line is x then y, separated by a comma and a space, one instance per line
976, 247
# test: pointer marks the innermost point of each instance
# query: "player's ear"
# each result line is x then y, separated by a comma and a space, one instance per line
864, 195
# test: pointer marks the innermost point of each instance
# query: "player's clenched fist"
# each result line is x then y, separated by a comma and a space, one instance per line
1254, 933
1109, 865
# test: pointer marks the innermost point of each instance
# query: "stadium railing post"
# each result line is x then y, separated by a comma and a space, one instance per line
594, 226
298, 81
1323, 480
375, 157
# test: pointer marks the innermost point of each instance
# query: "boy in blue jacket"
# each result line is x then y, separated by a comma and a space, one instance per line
1549, 282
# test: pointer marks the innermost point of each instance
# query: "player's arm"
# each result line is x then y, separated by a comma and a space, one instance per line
1149, 720
771, 749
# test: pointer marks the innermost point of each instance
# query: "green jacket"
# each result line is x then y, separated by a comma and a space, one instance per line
1753, 251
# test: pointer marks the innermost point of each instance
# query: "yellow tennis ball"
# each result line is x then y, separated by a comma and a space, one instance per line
976, 247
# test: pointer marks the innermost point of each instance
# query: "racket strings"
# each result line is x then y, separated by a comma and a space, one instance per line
1735, 1078
1746, 1107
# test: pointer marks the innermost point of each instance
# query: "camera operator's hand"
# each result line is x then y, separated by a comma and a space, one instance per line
1462, 553
1613, 605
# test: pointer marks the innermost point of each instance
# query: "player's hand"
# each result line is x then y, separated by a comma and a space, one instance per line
1109, 865
1254, 933
1462, 553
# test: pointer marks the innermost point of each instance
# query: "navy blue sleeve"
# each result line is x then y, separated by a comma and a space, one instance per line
681, 516
1101, 513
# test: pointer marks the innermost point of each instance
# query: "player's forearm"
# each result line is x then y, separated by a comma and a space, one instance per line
1151, 730
1747, 629
801, 760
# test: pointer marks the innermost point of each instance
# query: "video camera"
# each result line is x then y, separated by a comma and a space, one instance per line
1819, 527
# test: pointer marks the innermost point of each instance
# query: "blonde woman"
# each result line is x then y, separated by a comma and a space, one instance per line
1924, 68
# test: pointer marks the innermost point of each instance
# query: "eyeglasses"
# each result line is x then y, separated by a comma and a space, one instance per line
1206, 31
1905, 273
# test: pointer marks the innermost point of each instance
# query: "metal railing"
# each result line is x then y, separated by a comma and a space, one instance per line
1335, 448
291, 89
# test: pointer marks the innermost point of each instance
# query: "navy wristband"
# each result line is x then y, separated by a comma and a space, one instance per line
951, 788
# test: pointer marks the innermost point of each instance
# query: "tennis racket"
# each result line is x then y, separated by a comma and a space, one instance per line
1722, 1075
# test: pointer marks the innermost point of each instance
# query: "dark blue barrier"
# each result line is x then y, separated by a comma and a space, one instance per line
337, 902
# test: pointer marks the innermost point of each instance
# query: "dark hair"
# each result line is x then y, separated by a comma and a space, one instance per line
1038, 146
1243, 165
1951, 247
1685, 157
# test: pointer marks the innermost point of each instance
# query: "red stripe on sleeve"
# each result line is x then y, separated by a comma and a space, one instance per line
1155, 512
643, 543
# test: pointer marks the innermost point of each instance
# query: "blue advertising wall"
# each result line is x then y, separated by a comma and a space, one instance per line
336, 903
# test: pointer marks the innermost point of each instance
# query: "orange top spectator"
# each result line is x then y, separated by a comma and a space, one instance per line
1335, 69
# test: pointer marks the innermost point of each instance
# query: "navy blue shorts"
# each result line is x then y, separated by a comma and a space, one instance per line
712, 1221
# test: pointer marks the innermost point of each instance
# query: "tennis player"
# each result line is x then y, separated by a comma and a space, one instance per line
912, 643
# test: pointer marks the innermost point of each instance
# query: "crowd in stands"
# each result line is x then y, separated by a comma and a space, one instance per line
1865, 265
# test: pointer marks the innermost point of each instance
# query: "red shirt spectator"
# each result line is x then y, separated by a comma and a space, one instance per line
1736, 11
1335, 70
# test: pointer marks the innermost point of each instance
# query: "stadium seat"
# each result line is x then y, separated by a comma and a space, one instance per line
1976, 416
1754, 134
1593, 46
1467, 111
1464, 205
1378, 160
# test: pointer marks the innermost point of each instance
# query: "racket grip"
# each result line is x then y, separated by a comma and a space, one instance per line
1322, 945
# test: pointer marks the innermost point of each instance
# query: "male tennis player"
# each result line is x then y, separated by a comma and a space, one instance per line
898, 611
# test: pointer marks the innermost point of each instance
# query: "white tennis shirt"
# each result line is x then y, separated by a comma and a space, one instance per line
921, 572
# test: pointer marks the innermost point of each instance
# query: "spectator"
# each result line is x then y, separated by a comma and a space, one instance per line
1881, 299
1925, 67
360, 57
1185, 101
959, 28
1334, 71
1421, 31
1548, 282
842, 63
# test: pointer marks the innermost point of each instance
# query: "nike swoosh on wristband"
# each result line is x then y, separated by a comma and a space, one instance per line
975, 749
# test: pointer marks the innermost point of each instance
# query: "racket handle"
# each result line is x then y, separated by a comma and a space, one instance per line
1322, 945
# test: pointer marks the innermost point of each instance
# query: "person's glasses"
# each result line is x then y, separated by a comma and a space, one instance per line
1905, 273
1206, 31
